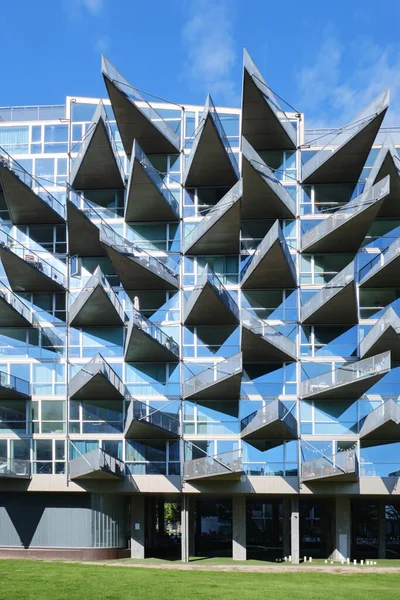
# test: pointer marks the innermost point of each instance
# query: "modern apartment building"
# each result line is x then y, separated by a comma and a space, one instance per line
199, 330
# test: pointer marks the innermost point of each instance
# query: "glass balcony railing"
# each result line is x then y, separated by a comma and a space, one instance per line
218, 372
269, 333
15, 467
226, 463
388, 320
96, 460
343, 279
341, 464
15, 384
16, 303
97, 279
269, 414
96, 366
380, 261
148, 327
139, 411
31, 182
363, 369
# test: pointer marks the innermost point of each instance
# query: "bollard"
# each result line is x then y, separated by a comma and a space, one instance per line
354, 562
361, 562
310, 559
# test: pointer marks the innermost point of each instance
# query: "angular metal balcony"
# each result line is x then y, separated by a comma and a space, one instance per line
222, 381
387, 163
97, 304
144, 422
14, 388
15, 468
384, 335
345, 229
349, 149
136, 269
98, 165
13, 312
210, 303
264, 122
335, 303
136, 118
83, 233
211, 161
348, 382
227, 465
383, 271
271, 265
145, 342
343, 466
262, 342
96, 464
147, 196
96, 381
26, 270
269, 426
219, 231
381, 425
264, 197
27, 200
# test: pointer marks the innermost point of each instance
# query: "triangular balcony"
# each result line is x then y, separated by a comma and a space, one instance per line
222, 381
83, 233
345, 230
387, 163
13, 312
381, 425
262, 342
384, 335
383, 271
97, 304
28, 202
343, 159
136, 118
269, 426
96, 464
15, 468
96, 381
210, 303
348, 382
145, 422
145, 342
271, 265
98, 165
211, 161
148, 198
335, 303
26, 270
224, 466
343, 466
136, 268
14, 388
264, 122
219, 231
264, 197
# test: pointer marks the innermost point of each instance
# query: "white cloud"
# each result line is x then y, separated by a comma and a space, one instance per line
208, 39
74, 8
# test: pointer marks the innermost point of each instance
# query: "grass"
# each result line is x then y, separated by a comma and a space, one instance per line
36, 580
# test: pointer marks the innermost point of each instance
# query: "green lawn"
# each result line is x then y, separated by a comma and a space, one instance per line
31, 580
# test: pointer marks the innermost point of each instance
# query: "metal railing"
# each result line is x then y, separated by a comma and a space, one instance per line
342, 463
44, 112
270, 412
140, 411
381, 260
346, 213
94, 281
12, 299
96, 366
14, 467
140, 322
333, 287
96, 460
347, 374
389, 410
7, 161
208, 276
218, 372
210, 466
14, 383
272, 335
388, 319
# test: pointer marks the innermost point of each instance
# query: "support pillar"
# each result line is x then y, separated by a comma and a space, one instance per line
286, 526
239, 514
295, 530
342, 529
382, 529
192, 525
137, 526
185, 528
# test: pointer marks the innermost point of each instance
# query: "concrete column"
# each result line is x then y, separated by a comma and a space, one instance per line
295, 530
137, 526
239, 551
382, 529
185, 528
192, 525
342, 528
286, 526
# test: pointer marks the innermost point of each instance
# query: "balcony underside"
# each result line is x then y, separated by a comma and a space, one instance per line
97, 310
98, 168
83, 235
25, 207
142, 429
269, 435
8, 392
95, 468
206, 307
256, 347
389, 340
260, 123
142, 347
382, 425
210, 165
11, 317
339, 309
222, 237
24, 277
270, 271
384, 276
227, 388
85, 386
391, 206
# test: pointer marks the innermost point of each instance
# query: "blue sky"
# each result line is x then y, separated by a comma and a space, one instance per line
328, 59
